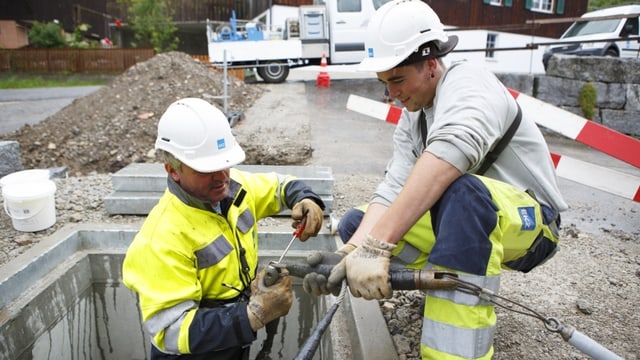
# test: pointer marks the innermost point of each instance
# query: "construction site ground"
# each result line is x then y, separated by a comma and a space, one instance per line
592, 284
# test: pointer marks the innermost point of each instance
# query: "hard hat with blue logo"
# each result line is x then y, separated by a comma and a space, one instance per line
403, 32
199, 135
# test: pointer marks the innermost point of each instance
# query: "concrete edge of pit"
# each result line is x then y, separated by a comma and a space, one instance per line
18, 274
364, 326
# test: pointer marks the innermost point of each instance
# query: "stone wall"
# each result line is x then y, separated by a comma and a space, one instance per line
617, 83
9, 157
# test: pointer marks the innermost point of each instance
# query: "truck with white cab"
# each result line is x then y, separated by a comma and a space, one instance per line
285, 37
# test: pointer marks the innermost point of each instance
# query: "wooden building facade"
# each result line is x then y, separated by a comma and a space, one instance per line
509, 15
190, 15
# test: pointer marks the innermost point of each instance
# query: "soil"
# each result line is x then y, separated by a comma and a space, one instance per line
592, 284
116, 125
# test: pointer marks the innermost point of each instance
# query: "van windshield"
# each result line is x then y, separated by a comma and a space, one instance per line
591, 27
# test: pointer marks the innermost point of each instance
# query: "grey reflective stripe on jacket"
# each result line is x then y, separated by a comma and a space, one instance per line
214, 252
281, 181
408, 255
171, 320
466, 343
457, 341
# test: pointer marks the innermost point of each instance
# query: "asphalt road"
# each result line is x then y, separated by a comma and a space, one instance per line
19, 107
369, 141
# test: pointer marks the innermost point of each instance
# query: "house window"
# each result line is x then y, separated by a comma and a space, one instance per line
491, 44
506, 3
542, 5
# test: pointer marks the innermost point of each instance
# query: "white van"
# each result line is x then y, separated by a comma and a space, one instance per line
584, 32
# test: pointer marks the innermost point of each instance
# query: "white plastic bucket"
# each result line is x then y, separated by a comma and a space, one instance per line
25, 176
31, 203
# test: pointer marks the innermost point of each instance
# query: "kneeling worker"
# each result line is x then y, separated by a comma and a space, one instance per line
193, 263
470, 189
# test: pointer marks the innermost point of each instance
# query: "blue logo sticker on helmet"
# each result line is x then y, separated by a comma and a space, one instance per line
528, 218
221, 144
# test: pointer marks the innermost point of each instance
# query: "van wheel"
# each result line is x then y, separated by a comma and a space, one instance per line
611, 52
274, 72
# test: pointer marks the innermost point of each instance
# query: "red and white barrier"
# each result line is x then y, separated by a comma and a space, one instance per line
598, 177
608, 141
601, 178
375, 109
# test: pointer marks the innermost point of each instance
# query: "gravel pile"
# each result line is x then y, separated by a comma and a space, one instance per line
116, 125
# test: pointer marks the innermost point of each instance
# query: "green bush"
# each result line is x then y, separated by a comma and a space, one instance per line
49, 35
152, 24
587, 100
78, 40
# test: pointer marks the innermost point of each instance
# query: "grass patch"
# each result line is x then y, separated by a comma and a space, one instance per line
25, 81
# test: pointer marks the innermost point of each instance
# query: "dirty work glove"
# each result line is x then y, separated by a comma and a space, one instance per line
316, 284
314, 218
268, 303
367, 269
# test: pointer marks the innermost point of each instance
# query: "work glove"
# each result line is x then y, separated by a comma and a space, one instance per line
366, 270
315, 283
314, 218
268, 303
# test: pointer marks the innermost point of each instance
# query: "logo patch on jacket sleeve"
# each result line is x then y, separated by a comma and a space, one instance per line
527, 217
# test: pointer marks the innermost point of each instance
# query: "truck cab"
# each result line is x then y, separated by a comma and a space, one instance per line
284, 37
348, 20
608, 32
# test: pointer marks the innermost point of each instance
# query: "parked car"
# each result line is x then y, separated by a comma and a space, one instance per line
619, 36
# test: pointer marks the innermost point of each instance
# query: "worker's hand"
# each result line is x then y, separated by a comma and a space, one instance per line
367, 269
316, 284
314, 218
268, 303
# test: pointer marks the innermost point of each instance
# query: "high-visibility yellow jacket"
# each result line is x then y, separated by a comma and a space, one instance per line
190, 264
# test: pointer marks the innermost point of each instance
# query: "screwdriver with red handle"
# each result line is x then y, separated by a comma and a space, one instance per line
273, 269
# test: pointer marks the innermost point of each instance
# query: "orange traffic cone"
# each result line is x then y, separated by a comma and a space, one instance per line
323, 79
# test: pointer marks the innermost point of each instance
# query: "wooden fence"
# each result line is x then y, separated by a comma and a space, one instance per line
72, 60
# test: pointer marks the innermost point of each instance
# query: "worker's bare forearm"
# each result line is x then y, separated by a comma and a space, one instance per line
427, 182
374, 212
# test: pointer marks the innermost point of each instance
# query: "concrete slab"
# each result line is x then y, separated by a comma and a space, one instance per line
141, 203
152, 176
139, 186
130, 202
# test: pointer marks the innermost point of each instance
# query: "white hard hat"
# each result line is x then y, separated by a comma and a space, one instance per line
198, 134
401, 29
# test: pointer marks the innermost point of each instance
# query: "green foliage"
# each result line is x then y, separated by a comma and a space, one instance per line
587, 99
152, 24
77, 38
27, 80
601, 4
49, 35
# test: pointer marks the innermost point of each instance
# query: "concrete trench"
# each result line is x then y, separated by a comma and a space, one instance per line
63, 299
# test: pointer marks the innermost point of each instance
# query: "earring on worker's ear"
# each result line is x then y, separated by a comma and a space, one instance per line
433, 75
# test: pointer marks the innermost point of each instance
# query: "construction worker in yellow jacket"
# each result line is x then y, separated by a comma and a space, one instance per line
193, 263
434, 209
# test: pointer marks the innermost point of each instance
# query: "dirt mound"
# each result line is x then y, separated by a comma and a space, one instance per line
116, 125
